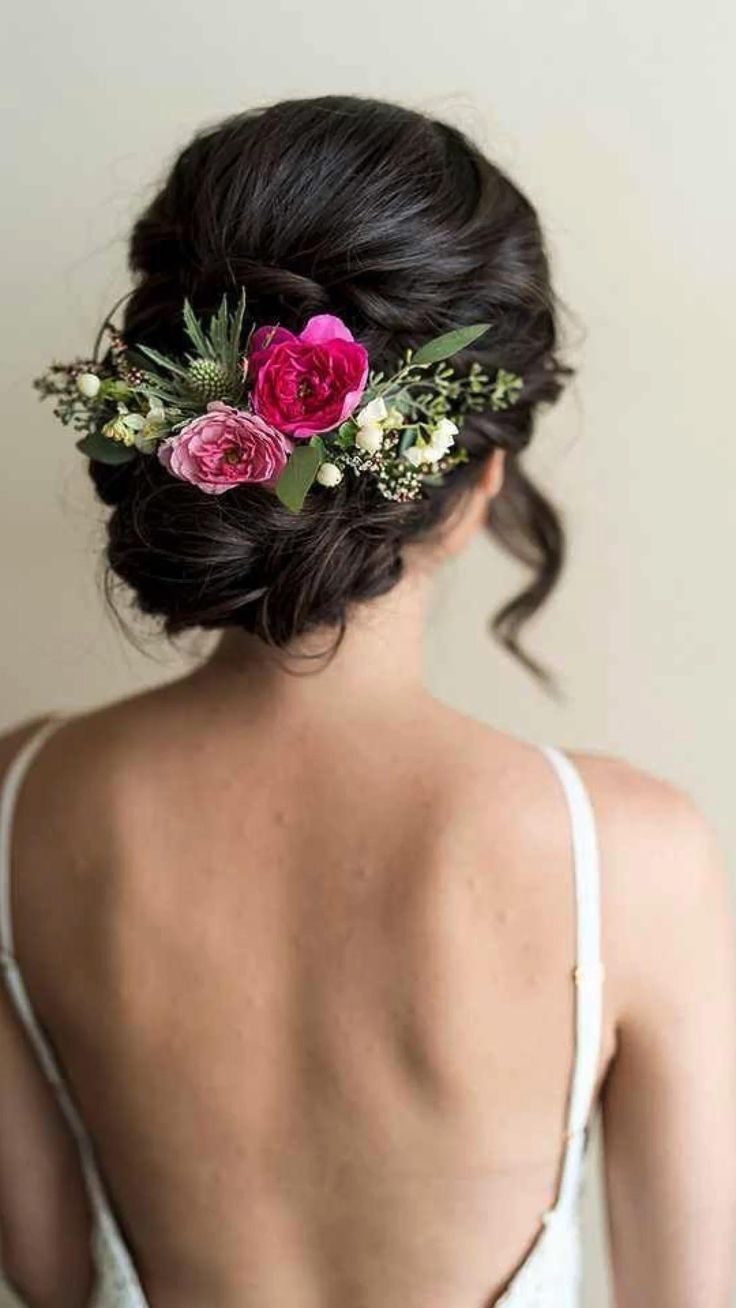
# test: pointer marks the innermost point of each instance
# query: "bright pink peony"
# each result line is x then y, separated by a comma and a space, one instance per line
224, 447
307, 383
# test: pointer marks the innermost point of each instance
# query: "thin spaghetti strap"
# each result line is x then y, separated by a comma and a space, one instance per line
14, 778
121, 1266
588, 970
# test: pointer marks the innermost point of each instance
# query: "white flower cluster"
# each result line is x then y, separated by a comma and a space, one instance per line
374, 420
139, 429
441, 439
127, 427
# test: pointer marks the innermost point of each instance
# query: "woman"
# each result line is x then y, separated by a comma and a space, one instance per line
314, 964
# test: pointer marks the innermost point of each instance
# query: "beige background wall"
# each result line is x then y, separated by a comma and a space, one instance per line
617, 116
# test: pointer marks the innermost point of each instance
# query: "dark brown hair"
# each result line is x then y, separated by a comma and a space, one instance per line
398, 224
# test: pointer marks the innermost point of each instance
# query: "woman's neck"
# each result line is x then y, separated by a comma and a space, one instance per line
378, 662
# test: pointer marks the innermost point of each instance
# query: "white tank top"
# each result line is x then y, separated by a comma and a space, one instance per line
549, 1277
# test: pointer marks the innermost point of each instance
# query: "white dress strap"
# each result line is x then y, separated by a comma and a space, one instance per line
118, 1266
588, 970
14, 778
11, 786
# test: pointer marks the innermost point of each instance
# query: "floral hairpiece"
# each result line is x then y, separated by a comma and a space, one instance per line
285, 412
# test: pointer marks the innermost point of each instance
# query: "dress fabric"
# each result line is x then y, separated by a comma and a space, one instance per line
549, 1276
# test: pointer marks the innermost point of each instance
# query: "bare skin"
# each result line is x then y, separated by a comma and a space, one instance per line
304, 945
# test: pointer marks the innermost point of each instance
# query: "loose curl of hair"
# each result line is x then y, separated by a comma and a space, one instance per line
398, 224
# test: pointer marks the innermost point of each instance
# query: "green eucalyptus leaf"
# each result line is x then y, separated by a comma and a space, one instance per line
104, 450
442, 347
298, 476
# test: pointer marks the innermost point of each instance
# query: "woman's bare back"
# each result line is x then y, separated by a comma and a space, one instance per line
317, 991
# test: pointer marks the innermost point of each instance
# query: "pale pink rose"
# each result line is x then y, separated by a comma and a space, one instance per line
224, 447
308, 383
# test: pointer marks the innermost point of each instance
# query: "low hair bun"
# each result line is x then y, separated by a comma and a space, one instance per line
239, 559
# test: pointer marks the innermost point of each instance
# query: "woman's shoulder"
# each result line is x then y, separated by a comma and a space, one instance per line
667, 906
656, 840
650, 828
84, 733
14, 738
667, 903
629, 802
83, 763
636, 811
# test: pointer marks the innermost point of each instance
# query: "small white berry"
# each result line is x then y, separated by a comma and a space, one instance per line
369, 437
88, 384
328, 474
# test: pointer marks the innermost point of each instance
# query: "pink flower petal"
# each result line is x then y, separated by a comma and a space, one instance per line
263, 341
325, 327
224, 447
265, 336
